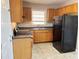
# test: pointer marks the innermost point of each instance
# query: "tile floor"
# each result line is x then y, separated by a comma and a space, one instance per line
47, 51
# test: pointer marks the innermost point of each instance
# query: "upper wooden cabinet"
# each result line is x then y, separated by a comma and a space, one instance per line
61, 11
55, 12
27, 14
50, 14
75, 7
70, 9
16, 10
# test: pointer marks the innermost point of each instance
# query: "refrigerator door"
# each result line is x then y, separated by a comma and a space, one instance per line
69, 33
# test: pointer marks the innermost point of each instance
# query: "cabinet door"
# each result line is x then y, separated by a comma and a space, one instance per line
75, 8
56, 12
16, 10
51, 14
49, 35
59, 13
72, 8
27, 13
43, 35
69, 9
22, 48
63, 11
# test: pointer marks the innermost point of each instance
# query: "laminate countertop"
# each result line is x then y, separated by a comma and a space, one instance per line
22, 36
30, 25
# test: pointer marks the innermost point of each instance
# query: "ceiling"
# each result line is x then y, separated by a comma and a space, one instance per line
52, 3
48, 1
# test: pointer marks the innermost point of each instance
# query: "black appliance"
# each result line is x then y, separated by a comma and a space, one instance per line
57, 28
68, 36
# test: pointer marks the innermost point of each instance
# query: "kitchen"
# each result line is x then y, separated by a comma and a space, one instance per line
34, 31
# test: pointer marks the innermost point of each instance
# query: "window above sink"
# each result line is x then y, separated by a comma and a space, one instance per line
38, 16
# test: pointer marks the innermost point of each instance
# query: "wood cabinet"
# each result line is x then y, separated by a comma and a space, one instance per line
61, 11
75, 8
50, 14
42, 35
56, 12
27, 14
22, 48
70, 9
16, 10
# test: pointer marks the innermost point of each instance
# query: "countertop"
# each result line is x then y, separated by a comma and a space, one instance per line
30, 25
24, 27
22, 36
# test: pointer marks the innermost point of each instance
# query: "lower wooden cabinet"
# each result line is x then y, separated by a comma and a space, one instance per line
22, 48
42, 35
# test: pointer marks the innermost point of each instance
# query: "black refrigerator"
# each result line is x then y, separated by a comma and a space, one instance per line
69, 26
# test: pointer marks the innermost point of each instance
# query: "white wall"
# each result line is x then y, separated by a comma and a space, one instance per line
6, 31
